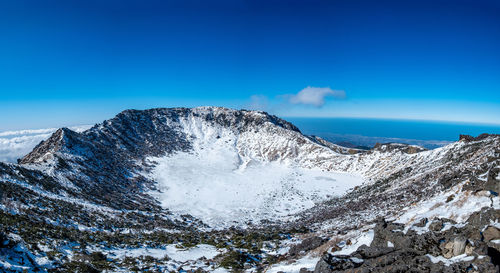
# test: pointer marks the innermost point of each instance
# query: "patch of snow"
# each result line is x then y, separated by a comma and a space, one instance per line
459, 209
219, 270
449, 225
495, 223
307, 262
280, 251
15, 237
419, 230
43, 261
14, 267
452, 260
364, 238
390, 244
356, 260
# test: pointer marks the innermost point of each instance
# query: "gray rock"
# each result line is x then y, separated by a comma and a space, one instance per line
492, 184
491, 233
336, 263
306, 245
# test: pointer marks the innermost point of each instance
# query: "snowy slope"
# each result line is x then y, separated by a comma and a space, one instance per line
234, 175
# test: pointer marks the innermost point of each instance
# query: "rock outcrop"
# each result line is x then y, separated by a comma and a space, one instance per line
430, 246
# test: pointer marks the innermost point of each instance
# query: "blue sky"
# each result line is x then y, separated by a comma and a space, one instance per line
64, 63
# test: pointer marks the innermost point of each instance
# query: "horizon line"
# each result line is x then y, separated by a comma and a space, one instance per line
399, 119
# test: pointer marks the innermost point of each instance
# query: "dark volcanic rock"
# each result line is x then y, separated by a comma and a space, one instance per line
306, 245
414, 252
405, 148
469, 138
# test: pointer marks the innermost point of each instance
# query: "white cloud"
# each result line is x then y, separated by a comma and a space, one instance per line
16, 144
315, 96
258, 102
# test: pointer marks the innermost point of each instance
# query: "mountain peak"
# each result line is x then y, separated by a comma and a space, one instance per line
46, 149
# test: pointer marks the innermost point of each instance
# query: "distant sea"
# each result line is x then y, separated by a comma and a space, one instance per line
367, 132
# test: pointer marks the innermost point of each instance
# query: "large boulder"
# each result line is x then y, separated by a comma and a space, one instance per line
491, 233
306, 245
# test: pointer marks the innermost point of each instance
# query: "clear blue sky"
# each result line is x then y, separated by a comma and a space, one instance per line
78, 62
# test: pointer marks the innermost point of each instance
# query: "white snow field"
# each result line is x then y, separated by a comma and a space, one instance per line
222, 182
220, 191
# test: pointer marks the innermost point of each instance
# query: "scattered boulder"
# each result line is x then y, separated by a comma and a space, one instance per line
492, 183
454, 247
335, 263
306, 245
491, 233
369, 252
436, 225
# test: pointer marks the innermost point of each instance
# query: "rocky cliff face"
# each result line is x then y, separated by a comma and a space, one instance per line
77, 194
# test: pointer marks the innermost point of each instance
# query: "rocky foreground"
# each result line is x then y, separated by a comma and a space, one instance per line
87, 202
439, 245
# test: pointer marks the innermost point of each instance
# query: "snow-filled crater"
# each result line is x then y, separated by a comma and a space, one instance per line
218, 185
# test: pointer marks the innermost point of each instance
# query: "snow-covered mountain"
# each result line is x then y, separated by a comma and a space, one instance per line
144, 181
